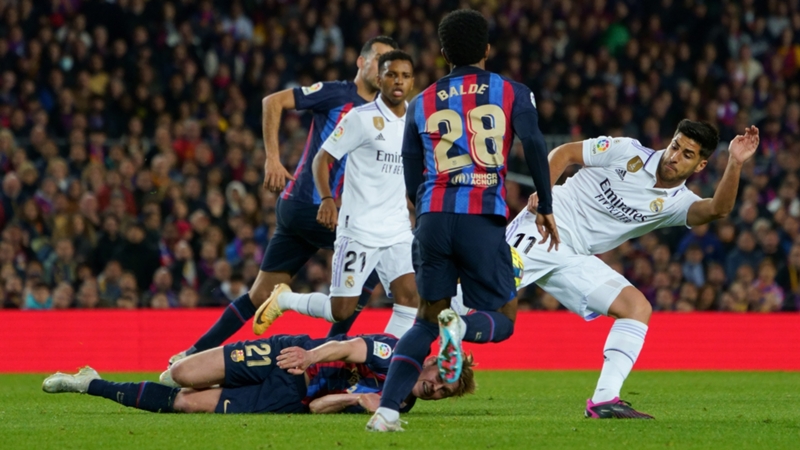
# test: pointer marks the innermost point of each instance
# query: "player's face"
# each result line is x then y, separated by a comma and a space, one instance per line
430, 385
369, 64
680, 160
396, 80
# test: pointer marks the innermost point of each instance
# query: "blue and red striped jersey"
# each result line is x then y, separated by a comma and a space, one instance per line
340, 377
329, 102
462, 128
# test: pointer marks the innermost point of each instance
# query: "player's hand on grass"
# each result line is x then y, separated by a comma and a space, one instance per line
370, 402
295, 360
546, 224
328, 215
742, 147
275, 175
533, 202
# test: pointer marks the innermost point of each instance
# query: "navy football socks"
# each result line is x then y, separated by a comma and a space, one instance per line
148, 396
233, 318
487, 326
407, 361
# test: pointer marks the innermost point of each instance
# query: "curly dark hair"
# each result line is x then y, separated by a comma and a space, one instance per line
701, 132
464, 35
394, 55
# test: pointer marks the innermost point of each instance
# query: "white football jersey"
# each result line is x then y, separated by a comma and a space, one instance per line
374, 210
613, 199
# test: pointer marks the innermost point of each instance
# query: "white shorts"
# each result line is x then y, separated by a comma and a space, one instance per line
353, 262
582, 283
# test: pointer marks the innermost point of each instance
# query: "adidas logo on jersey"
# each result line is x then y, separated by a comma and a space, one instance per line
380, 137
622, 173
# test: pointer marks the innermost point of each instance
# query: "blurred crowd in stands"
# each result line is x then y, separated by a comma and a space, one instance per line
131, 153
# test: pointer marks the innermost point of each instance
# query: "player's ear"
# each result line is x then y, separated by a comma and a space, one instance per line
429, 361
486, 54
360, 62
701, 166
444, 55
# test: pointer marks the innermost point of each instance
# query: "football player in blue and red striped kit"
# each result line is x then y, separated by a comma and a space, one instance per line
457, 138
280, 374
298, 236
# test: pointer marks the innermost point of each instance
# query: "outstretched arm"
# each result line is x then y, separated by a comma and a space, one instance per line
296, 360
562, 157
335, 403
741, 148
272, 107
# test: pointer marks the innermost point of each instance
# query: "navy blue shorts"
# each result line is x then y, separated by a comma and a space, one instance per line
255, 384
298, 236
472, 248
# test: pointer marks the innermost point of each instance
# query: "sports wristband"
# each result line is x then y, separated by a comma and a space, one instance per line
325, 198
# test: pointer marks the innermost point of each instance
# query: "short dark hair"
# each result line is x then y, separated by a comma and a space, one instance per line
395, 55
701, 132
386, 40
464, 35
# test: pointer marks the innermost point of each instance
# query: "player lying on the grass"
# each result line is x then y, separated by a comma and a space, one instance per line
623, 191
373, 230
280, 374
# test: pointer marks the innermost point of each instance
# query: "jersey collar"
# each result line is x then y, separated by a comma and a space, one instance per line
386, 112
460, 71
651, 167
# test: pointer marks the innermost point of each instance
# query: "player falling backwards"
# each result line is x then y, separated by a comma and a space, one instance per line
457, 138
281, 374
623, 191
298, 236
374, 230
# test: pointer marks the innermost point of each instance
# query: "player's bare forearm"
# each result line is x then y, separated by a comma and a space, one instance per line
562, 157
719, 206
321, 168
352, 351
272, 108
333, 403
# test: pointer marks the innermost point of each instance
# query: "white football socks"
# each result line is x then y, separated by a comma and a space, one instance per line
313, 305
389, 414
401, 321
624, 342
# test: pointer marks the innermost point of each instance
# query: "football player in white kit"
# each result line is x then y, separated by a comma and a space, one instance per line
623, 191
373, 229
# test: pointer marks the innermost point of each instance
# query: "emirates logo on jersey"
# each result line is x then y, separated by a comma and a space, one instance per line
616, 205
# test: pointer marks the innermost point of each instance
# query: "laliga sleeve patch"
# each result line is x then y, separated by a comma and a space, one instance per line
382, 350
311, 89
601, 146
337, 133
533, 100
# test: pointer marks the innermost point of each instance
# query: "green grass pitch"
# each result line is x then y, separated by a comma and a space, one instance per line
510, 410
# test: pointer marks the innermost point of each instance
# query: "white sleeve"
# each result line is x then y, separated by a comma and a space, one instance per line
680, 210
346, 137
604, 151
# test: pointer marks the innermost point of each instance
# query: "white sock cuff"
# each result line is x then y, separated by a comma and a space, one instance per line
406, 310
389, 414
631, 327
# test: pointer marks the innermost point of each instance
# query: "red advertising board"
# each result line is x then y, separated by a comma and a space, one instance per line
115, 340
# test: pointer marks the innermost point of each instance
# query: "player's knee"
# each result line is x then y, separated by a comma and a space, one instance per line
631, 304
409, 299
180, 373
